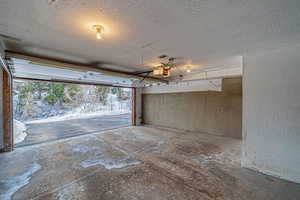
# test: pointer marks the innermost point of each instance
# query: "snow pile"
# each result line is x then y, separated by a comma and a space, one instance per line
19, 131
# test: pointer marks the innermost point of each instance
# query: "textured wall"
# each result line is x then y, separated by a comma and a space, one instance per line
218, 113
271, 118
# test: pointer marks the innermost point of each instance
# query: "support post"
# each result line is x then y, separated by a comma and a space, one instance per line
7, 112
133, 106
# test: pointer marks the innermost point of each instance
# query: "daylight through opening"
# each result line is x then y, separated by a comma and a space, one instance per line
46, 111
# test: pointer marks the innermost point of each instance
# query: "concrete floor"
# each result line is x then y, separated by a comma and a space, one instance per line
49, 131
137, 163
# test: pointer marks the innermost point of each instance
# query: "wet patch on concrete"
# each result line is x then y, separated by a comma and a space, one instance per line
108, 157
10, 186
109, 163
154, 147
85, 149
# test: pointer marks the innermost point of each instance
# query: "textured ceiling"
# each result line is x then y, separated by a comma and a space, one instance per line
202, 33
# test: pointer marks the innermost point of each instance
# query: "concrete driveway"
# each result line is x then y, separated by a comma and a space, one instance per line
49, 131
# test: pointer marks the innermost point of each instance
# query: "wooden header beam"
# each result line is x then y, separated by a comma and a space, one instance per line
77, 67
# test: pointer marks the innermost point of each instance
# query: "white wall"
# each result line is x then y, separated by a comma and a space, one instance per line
187, 86
216, 72
209, 79
271, 117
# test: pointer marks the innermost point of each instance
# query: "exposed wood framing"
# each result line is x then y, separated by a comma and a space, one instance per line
7, 113
76, 66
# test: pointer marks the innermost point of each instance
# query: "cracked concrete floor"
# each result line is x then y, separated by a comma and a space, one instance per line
136, 163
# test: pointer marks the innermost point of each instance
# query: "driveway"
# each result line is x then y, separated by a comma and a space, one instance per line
49, 131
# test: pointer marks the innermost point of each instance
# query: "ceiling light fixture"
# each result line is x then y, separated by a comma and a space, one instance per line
99, 30
188, 69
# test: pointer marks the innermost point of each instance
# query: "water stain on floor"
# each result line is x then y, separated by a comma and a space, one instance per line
11, 185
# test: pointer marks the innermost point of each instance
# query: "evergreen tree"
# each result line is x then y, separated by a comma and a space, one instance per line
114, 90
56, 93
39, 87
102, 93
120, 93
72, 93
25, 93
25, 103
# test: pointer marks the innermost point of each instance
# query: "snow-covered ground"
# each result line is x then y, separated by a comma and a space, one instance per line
78, 116
19, 131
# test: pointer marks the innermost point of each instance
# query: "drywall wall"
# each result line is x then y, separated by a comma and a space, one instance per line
230, 70
218, 113
271, 117
187, 86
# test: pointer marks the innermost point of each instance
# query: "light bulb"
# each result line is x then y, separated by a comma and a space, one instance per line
98, 35
99, 30
188, 69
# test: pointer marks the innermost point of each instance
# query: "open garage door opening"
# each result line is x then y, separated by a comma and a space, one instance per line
46, 111
52, 102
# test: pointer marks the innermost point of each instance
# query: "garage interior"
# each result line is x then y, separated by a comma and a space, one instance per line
215, 98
